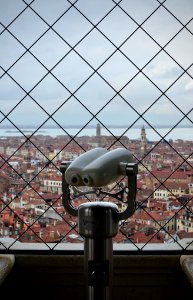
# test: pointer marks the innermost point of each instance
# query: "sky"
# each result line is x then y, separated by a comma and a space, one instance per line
89, 61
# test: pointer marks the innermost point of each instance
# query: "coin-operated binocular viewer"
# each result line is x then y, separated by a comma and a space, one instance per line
98, 221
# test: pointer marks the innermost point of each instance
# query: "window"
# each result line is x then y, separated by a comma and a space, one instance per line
110, 74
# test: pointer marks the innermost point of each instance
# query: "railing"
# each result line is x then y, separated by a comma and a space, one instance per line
67, 66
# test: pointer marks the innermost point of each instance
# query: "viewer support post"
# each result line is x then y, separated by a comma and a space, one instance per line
98, 221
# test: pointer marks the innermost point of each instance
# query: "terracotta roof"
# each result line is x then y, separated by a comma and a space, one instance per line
172, 186
183, 234
169, 174
157, 216
142, 237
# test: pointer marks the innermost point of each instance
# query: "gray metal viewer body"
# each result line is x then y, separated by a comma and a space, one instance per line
98, 221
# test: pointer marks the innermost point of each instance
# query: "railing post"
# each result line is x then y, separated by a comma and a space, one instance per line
98, 224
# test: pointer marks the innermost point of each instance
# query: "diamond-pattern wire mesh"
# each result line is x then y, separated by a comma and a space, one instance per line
33, 52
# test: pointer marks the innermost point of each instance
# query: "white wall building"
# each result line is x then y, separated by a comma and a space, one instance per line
53, 185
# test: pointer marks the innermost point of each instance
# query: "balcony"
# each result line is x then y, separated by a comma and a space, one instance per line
135, 276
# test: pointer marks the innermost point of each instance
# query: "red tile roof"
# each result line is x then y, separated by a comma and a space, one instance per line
169, 174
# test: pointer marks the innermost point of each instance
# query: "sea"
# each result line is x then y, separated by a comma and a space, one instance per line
182, 133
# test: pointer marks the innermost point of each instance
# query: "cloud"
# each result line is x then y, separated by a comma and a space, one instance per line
140, 70
189, 86
162, 69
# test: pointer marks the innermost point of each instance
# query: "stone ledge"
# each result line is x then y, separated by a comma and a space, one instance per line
6, 264
186, 262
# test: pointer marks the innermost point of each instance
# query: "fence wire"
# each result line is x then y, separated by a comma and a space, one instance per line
75, 64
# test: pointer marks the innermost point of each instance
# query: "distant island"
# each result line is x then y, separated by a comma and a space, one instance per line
24, 131
79, 126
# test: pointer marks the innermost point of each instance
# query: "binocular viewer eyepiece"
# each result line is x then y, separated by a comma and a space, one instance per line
98, 167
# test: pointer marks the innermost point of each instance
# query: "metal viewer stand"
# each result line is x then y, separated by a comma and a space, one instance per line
98, 223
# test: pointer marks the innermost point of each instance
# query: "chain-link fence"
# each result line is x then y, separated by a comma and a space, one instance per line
80, 74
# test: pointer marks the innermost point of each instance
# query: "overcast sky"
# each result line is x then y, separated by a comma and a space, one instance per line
42, 69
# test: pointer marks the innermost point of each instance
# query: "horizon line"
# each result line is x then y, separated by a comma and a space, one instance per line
27, 126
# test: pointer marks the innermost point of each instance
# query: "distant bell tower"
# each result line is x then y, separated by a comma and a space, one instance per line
143, 141
98, 130
98, 134
27, 157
